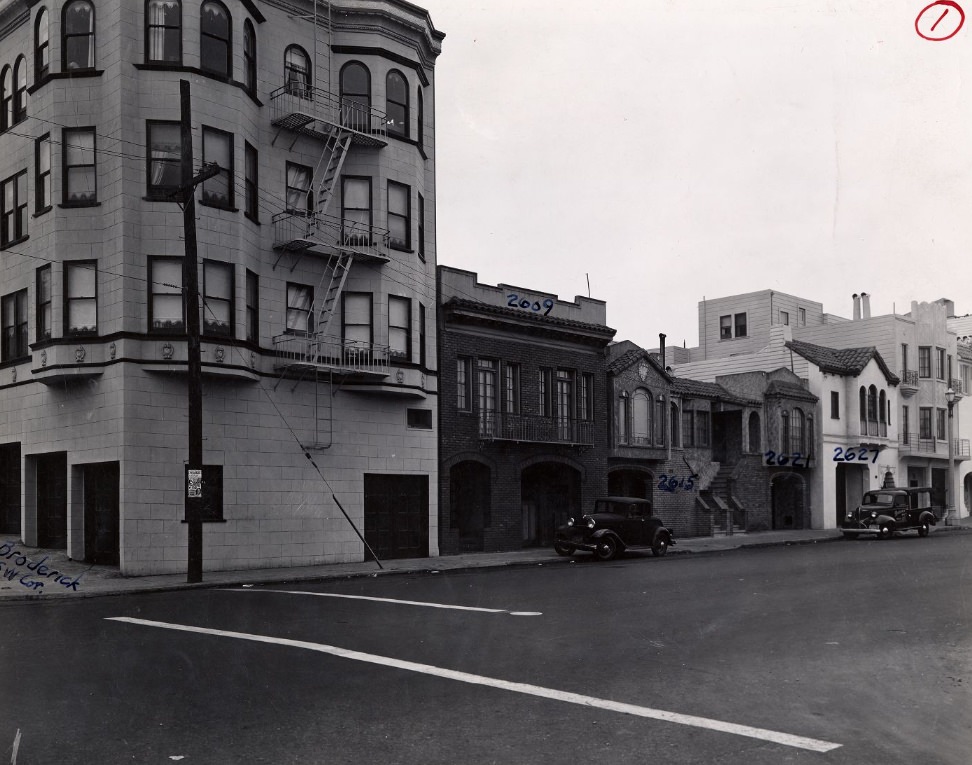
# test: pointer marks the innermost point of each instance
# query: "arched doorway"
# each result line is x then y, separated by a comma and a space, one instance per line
469, 503
788, 497
630, 483
550, 493
967, 494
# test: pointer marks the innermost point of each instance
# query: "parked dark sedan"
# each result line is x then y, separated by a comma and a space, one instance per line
882, 512
617, 524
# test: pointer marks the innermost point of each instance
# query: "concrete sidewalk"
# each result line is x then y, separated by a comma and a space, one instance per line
60, 577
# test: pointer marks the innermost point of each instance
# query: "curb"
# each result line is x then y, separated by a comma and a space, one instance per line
323, 577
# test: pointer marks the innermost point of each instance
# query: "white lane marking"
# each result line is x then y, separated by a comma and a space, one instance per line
762, 734
400, 602
16, 748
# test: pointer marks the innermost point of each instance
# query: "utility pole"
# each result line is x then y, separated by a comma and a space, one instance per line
190, 289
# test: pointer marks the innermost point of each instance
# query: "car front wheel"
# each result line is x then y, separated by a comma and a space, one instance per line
561, 549
607, 548
660, 547
923, 529
886, 531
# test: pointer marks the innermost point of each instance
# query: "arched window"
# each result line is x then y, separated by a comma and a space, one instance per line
797, 444
42, 46
863, 407
249, 57
356, 96
163, 31
6, 98
883, 413
810, 439
624, 412
396, 99
420, 108
784, 430
297, 74
872, 411
755, 439
77, 35
20, 91
215, 36
641, 418
676, 426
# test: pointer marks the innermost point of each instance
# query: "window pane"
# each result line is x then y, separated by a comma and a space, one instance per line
397, 199
81, 281
357, 309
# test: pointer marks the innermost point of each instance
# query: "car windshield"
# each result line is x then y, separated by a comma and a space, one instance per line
878, 498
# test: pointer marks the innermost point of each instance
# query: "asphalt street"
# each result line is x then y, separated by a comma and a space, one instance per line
847, 652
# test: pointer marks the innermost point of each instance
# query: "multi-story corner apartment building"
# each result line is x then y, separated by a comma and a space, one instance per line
316, 264
523, 418
918, 351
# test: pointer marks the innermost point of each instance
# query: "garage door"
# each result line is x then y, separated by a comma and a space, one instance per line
396, 515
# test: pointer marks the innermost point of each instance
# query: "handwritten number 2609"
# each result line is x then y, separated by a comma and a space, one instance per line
513, 300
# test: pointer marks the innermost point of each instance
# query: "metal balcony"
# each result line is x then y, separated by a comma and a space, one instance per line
531, 428
909, 382
313, 112
911, 443
330, 353
302, 232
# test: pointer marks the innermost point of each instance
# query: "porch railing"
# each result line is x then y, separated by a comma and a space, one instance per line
912, 442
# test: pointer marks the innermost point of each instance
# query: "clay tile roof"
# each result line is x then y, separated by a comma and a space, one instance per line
683, 386
842, 361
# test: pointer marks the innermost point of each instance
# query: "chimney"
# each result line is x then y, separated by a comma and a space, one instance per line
661, 345
866, 305
857, 306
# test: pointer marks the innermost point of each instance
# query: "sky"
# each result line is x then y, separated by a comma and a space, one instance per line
673, 150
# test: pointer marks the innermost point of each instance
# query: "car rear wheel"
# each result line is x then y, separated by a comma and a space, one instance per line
923, 529
561, 549
606, 549
660, 547
886, 531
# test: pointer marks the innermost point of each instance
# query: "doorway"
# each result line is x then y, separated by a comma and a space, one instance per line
101, 514
52, 500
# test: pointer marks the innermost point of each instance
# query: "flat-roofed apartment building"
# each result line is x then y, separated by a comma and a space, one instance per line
316, 263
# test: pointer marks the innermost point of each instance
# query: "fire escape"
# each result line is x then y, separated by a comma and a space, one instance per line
298, 110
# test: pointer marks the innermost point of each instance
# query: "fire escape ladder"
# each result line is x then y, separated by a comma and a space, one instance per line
332, 284
329, 166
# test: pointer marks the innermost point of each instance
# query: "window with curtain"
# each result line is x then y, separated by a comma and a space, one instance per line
300, 199
252, 307
356, 320
300, 302
215, 36
511, 387
77, 36
356, 96
165, 295
641, 418
13, 309
20, 93
217, 298
80, 298
924, 422
797, 442
42, 177
251, 203
80, 181
399, 215
164, 158
396, 108
297, 77
400, 326
6, 97
463, 380
13, 223
249, 57
42, 45
624, 417
163, 31
218, 148
43, 298
356, 210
